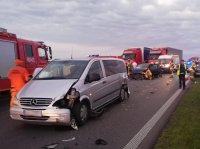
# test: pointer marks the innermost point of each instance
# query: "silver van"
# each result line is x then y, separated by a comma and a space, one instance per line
71, 89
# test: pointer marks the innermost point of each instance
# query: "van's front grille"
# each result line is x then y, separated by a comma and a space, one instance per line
43, 118
35, 102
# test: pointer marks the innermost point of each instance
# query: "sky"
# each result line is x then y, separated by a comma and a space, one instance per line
105, 27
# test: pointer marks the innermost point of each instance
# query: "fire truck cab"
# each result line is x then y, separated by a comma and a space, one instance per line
33, 53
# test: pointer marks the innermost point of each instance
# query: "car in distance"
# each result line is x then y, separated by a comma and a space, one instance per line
71, 89
141, 68
197, 70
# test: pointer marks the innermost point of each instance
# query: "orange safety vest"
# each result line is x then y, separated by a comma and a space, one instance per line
18, 76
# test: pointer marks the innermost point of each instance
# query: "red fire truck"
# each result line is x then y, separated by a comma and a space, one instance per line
33, 53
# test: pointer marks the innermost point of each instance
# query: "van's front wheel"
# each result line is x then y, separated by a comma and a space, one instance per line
81, 113
124, 93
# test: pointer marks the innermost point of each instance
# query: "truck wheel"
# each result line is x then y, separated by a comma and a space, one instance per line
124, 95
81, 112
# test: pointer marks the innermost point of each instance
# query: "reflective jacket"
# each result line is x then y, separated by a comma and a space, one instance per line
178, 70
18, 76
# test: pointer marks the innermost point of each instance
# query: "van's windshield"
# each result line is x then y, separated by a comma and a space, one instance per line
71, 69
164, 61
153, 56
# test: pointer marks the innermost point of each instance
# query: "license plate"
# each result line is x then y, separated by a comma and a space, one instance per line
32, 113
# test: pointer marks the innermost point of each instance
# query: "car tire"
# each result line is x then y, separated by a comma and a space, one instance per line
124, 93
81, 112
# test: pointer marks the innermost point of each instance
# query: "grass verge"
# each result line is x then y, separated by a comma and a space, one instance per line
183, 129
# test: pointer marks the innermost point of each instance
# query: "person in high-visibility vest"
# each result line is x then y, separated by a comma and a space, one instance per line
181, 73
18, 76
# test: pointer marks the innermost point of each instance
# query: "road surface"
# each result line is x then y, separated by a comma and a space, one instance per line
117, 126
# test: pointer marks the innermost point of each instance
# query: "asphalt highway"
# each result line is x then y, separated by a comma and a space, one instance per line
117, 126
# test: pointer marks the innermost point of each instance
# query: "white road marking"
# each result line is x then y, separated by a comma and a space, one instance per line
139, 137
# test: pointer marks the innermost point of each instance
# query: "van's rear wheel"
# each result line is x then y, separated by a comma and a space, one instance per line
81, 113
124, 94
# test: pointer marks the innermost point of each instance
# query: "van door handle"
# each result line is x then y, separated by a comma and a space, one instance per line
104, 82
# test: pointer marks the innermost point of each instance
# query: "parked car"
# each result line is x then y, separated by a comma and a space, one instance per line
67, 89
197, 71
141, 68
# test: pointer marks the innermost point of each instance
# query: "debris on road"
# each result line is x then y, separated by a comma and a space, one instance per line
73, 124
152, 92
50, 146
171, 76
167, 83
101, 142
69, 140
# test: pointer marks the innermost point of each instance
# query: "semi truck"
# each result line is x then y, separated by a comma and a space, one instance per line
33, 53
138, 55
156, 52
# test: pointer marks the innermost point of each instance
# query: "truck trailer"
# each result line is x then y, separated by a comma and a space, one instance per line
33, 53
156, 52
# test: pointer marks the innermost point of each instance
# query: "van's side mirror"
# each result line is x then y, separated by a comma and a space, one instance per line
92, 77
36, 71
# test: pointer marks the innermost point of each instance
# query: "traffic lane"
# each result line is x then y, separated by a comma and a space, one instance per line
151, 139
4, 105
117, 125
149, 100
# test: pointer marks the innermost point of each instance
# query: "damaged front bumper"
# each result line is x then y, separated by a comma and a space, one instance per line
49, 115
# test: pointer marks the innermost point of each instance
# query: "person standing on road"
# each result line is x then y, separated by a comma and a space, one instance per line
192, 72
181, 73
18, 76
134, 65
129, 68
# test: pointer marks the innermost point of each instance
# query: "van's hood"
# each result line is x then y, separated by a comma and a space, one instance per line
46, 88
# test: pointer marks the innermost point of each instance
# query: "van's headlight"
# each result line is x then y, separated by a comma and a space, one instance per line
68, 100
73, 94
15, 102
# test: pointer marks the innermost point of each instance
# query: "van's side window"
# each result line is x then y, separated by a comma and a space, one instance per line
113, 67
95, 69
29, 50
120, 67
109, 66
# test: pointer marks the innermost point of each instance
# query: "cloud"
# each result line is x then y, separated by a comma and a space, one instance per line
111, 25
